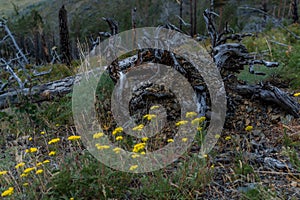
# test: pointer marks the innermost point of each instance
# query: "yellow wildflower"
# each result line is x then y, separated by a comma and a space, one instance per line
205, 156
154, 107
184, 139
21, 164
29, 169
119, 138
117, 130
57, 125
182, 122
149, 116
212, 166
71, 198
117, 150
198, 120
43, 132
135, 156
52, 153
8, 192
190, 114
145, 139
55, 140
101, 147
25, 184
46, 161
39, 164
74, 137
170, 140
297, 94
199, 128
217, 136
31, 150
249, 128
143, 153
138, 128
39, 171
98, 135
3, 173
30, 138
138, 147
133, 167
23, 175
228, 138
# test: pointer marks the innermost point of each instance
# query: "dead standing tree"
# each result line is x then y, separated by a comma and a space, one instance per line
64, 36
11, 65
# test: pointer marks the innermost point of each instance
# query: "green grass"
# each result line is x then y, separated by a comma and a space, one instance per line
7, 7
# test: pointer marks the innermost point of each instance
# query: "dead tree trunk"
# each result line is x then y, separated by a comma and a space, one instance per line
195, 17
64, 36
295, 11
191, 18
231, 58
180, 14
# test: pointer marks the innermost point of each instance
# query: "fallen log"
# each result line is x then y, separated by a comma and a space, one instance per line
39, 93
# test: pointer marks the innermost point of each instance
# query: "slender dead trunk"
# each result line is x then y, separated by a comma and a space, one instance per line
64, 36
195, 16
191, 18
180, 14
295, 11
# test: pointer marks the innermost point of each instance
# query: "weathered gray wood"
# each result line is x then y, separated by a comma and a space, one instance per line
44, 92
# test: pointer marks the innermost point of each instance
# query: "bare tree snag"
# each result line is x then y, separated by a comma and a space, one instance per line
295, 11
64, 36
180, 14
191, 18
10, 35
195, 17
231, 58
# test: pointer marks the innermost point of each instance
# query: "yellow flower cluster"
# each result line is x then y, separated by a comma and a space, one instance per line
170, 140
133, 167
28, 170
117, 150
297, 94
119, 138
154, 107
190, 114
184, 139
98, 135
39, 171
182, 122
43, 132
55, 140
74, 137
31, 150
145, 139
138, 147
117, 130
101, 147
228, 138
52, 153
138, 128
21, 164
46, 161
149, 116
8, 192
249, 128
198, 120
3, 173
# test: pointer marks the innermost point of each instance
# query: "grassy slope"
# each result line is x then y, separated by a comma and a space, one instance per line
7, 6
